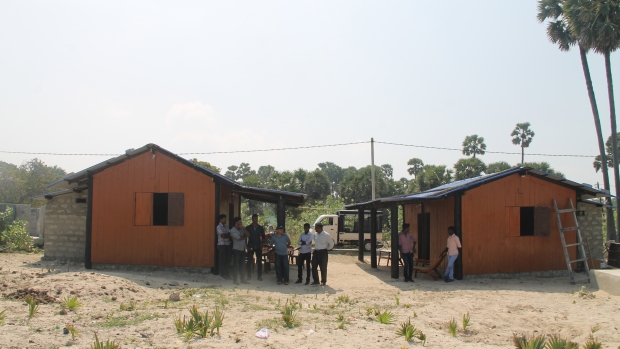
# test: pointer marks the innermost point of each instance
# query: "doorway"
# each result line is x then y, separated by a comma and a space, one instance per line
424, 235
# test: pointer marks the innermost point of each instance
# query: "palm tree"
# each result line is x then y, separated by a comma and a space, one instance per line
522, 135
595, 24
416, 166
473, 145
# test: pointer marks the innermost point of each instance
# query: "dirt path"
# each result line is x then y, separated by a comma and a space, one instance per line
497, 308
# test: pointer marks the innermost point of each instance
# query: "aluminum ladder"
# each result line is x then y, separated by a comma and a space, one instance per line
579, 242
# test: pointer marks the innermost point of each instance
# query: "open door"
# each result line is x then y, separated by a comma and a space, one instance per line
424, 236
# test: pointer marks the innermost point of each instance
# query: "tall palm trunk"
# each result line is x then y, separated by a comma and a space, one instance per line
522, 155
611, 226
614, 138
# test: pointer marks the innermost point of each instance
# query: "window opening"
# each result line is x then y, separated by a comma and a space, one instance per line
160, 208
527, 221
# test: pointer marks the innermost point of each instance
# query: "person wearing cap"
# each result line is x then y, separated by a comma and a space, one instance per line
322, 243
223, 247
238, 235
255, 247
305, 253
281, 242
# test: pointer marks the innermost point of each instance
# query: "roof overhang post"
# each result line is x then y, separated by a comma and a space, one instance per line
458, 209
88, 264
281, 213
373, 238
360, 234
394, 243
215, 270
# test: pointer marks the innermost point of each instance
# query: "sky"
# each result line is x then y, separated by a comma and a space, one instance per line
216, 76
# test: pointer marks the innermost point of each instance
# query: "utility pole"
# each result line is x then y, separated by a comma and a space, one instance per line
372, 165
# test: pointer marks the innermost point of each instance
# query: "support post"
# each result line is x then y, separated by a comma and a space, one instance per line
360, 234
373, 237
372, 166
394, 235
88, 264
215, 270
281, 212
458, 265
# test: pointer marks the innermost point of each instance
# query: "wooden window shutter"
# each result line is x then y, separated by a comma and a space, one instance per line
144, 209
542, 224
513, 221
176, 209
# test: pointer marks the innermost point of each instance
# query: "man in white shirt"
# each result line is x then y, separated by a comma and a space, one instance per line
305, 254
238, 234
322, 243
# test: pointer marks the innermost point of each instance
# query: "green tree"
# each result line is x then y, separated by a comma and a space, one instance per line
19, 184
416, 166
335, 174
206, 165
468, 168
564, 25
608, 147
317, 186
522, 136
357, 187
388, 171
433, 176
495, 167
473, 145
543, 166
238, 173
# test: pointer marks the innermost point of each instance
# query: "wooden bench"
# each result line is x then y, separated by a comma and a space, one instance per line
432, 269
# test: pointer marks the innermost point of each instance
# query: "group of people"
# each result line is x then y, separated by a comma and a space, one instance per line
407, 247
242, 244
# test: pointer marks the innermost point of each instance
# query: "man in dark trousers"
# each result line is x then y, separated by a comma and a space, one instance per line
238, 234
322, 243
223, 247
305, 252
255, 247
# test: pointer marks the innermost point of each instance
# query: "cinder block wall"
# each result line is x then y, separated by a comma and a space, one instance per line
65, 227
591, 225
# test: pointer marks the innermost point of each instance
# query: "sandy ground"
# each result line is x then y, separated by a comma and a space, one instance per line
497, 308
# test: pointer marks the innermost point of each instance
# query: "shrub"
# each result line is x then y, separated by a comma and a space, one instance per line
14, 235
465, 321
33, 308
523, 342
200, 324
73, 331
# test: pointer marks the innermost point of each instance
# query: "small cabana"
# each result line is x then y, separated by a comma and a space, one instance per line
148, 206
505, 221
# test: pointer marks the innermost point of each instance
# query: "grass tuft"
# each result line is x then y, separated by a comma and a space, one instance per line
410, 332
73, 331
289, 316
102, 345
2, 317
386, 317
33, 308
465, 321
70, 302
452, 327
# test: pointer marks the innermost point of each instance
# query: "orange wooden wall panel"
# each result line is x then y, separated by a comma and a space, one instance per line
487, 247
116, 239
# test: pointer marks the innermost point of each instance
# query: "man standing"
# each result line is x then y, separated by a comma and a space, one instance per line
281, 242
223, 247
305, 252
255, 247
322, 242
453, 252
238, 234
406, 245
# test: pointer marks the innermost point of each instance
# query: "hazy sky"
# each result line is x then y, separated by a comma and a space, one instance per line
102, 77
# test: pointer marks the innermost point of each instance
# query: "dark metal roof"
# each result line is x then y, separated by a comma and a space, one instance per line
453, 188
261, 194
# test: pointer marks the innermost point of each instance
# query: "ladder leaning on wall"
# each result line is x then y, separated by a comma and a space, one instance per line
579, 243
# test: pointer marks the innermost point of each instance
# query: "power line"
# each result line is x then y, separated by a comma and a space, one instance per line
305, 147
486, 151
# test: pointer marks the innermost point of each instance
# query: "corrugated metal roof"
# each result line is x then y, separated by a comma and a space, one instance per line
268, 195
452, 188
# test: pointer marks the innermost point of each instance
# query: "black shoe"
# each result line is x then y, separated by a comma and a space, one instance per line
324, 284
307, 282
260, 278
411, 280
449, 280
315, 283
298, 281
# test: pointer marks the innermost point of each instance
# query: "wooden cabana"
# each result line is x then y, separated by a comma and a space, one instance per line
504, 220
152, 207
